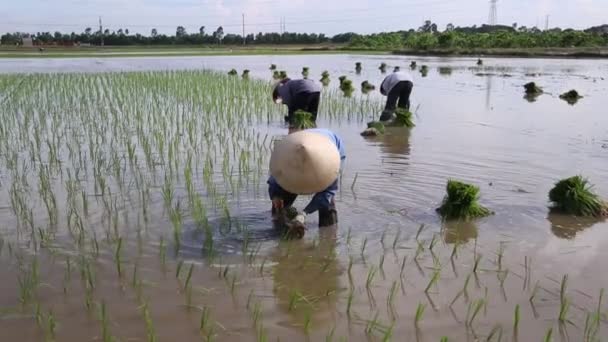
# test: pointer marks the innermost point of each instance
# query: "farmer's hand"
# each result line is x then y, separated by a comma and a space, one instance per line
277, 203
301, 218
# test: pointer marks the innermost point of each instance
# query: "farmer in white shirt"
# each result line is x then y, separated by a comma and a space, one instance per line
398, 88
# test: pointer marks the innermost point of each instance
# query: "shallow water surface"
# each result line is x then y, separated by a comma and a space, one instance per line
472, 124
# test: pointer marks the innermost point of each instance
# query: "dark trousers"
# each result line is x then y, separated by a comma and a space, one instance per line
308, 102
400, 92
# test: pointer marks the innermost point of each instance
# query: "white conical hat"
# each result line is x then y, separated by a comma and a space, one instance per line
305, 163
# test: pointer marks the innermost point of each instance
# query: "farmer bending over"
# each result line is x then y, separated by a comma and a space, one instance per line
396, 86
307, 162
298, 95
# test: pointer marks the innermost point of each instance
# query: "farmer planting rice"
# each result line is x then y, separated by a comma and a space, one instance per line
397, 87
298, 95
306, 162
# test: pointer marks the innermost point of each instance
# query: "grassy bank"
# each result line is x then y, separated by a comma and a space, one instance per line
172, 50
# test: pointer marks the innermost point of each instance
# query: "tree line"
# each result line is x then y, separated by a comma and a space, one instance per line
426, 37
181, 37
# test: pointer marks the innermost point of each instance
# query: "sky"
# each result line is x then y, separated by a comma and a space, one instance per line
312, 16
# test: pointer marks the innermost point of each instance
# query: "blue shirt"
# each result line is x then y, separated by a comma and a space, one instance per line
321, 200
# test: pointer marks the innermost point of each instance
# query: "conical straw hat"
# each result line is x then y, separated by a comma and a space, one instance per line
305, 163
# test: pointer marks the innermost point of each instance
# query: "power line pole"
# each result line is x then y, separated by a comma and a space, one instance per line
101, 31
244, 40
493, 17
547, 23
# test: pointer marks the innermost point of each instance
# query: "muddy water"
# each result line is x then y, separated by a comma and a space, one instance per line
472, 123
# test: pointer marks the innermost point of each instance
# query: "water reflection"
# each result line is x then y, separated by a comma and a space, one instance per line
489, 84
307, 277
531, 97
395, 143
566, 226
459, 232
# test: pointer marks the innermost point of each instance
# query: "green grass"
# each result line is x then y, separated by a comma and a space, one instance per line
574, 196
461, 202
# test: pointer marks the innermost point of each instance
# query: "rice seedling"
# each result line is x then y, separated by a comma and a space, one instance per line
574, 196
516, 317
382, 67
474, 309
433, 281
371, 274
571, 97
245, 74
461, 202
419, 314
549, 335
233, 72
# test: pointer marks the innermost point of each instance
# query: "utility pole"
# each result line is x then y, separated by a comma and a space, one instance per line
101, 31
244, 39
547, 23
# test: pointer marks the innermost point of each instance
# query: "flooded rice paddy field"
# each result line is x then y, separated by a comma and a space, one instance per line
133, 204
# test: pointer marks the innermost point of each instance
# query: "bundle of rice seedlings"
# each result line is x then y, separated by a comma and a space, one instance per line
424, 70
347, 87
302, 120
573, 196
413, 65
367, 87
233, 72
325, 78
276, 75
282, 75
370, 132
533, 89
461, 202
273, 67
397, 68
571, 96
377, 125
382, 67
245, 74
403, 118
305, 72
358, 67
342, 79
479, 62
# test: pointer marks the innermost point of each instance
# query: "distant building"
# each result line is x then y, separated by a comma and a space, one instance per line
27, 42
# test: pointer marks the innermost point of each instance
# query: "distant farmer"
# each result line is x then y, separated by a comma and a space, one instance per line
307, 162
298, 95
397, 87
